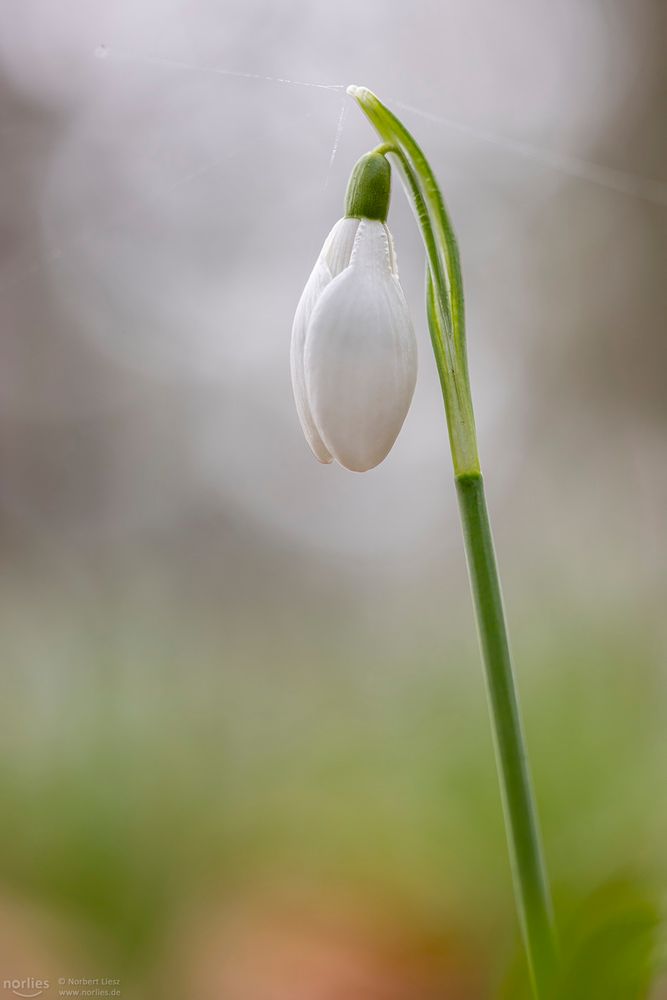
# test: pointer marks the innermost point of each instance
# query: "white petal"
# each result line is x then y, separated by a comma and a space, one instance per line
319, 278
361, 356
334, 257
339, 244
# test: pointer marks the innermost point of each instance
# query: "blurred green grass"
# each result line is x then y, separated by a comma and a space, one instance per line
140, 781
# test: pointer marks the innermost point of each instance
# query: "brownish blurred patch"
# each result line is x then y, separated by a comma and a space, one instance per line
292, 945
39, 946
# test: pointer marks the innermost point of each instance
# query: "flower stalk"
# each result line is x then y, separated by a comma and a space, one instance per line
446, 321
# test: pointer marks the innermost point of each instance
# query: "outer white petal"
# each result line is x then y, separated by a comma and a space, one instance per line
339, 245
334, 257
361, 355
319, 279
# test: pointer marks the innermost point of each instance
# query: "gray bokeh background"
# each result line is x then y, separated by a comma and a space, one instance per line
160, 215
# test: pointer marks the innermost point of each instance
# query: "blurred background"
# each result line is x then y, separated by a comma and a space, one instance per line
244, 748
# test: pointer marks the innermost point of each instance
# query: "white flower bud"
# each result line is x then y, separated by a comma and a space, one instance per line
354, 353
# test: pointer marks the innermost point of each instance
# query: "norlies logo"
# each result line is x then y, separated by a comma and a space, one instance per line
26, 987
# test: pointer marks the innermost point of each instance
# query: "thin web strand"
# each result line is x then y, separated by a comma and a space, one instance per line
62, 250
624, 182
616, 180
340, 124
105, 52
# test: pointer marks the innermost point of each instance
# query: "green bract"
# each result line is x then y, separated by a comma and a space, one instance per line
369, 188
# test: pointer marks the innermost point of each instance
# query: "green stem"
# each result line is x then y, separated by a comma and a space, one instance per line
446, 320
528, 869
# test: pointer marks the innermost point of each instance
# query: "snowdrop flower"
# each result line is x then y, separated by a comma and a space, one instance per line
354, 353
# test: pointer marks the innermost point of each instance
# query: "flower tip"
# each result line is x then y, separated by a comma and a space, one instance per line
357, 92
